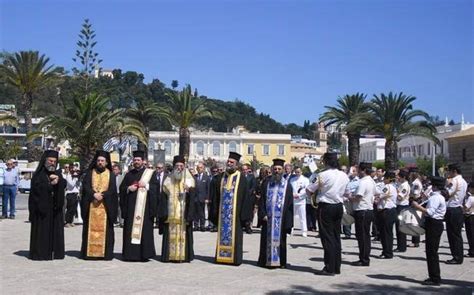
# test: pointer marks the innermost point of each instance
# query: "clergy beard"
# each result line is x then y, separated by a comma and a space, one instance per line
177, 175
100, 169
276, 177
50, 168
230, 169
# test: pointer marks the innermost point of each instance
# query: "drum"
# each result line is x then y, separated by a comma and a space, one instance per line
411, 222
347, 218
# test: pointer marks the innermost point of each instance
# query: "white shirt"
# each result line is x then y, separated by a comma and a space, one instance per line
388, 197
72, 186
436, 206
332, 184
457, 191
403, 193
365, 194
299, 184
416, 188
469, 204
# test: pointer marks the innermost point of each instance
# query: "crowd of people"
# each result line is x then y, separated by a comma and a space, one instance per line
178, 201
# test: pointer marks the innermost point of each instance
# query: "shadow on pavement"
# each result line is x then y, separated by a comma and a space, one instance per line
465, 284
73, 253
208, 259
294, 246
22, 253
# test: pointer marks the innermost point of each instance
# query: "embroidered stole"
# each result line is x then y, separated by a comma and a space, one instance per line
274, 202
140, 205
96, 232
227, 218
176, 218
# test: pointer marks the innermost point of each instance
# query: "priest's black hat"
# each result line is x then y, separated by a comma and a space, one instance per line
51, 154
278, 162
101, 153
139, 154
178, 159
235, 156
437, 181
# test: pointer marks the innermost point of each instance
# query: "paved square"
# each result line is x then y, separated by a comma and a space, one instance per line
403, 274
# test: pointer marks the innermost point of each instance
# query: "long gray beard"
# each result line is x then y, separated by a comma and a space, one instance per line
230, 170
276, 177
50, 168
177, 175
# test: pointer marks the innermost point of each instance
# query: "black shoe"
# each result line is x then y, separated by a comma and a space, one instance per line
375, 239
469, 255
12, 217
382, 256
359, 263
399, 251
324, 272
202, 229
214, 229
248, 230
453, 261
430, 282
346, 237
3, 217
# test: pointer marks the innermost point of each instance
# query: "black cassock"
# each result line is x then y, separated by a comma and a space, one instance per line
111, 207
146, 248
285, 226
244, 212
162, 214
45, 205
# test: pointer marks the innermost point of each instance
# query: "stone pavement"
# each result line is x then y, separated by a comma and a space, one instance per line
401, 275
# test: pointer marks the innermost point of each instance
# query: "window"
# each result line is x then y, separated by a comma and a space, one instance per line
428, 149
232, 146
216, 148
281, 149
250, 149
464, 157
167, 147
265, 150
200, 148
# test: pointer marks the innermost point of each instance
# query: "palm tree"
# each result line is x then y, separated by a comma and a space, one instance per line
351, 113
392, 116
28, 72
88, 124
8, 120
183, 109
142, 114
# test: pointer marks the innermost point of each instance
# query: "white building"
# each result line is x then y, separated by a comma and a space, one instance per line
412, 147
217, 145
372, 149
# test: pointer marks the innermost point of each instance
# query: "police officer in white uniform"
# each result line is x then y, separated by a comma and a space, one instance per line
331, 185
387, 209
403, 196
362, 206
434, 214
457, 189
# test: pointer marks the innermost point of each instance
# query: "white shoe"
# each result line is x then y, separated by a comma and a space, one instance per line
305, 234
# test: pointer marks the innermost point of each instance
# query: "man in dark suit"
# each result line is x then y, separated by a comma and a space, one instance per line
161, 174
251, 186
201, 196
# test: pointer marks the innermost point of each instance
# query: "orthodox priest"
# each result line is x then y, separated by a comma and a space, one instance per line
230, 209
176, 214
99, 207
45, 205
138, 207
276, 214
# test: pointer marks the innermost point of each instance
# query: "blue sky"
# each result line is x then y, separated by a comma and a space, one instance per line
286, 58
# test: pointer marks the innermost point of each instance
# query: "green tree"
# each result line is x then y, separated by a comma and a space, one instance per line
8, 150
87, 125
86, 56
183, 109
174, 84
351, 114
392, 116
29, 72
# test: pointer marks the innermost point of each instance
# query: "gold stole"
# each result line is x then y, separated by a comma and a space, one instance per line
176, 219
224, 252
97, 216
140, 204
